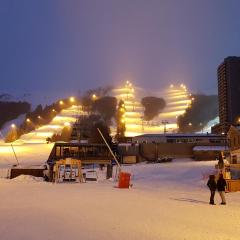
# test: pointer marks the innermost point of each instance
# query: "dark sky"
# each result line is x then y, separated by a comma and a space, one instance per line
67, 45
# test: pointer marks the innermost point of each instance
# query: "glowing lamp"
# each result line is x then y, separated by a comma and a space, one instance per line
94, 97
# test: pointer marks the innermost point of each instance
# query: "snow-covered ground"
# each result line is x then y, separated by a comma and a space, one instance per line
167, 201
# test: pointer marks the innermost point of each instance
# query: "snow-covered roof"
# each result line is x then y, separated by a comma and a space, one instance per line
185, 135
210, 148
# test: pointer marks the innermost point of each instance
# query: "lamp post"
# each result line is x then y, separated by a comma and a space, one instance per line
190, 127
165, 122
94, 97
72, 99
225, 140
201, 125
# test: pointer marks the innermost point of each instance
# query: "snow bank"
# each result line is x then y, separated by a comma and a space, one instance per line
27, 179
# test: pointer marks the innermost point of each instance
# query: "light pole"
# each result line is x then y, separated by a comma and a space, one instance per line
201, 125
94, 97
225, 140
165, 122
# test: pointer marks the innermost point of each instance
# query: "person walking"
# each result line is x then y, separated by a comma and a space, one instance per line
221, 185
212, 187
220, 164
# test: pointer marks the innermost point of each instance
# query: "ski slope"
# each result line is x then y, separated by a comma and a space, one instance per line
177, 99
65, 118
34, 143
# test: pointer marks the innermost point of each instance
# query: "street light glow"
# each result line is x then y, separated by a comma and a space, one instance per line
67, 124
94, 96
72, 99
13, 125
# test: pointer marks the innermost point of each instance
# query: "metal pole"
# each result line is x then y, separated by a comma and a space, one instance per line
115, 159
15, 155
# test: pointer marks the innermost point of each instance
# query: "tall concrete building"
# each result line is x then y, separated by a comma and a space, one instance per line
228, 94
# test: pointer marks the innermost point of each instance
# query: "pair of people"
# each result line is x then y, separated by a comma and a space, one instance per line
220, 185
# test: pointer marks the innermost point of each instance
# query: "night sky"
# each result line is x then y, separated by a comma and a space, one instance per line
67, 45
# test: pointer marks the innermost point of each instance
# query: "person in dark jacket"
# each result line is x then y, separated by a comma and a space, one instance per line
221, 185
212, 186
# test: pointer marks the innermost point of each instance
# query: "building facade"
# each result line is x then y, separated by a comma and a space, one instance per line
228, 94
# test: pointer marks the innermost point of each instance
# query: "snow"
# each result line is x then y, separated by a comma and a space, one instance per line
66, 116
167, 201
27, 179
210, 124
27, 153
210, 148
6, 127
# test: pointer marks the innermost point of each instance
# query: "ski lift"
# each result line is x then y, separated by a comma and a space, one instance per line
68, 170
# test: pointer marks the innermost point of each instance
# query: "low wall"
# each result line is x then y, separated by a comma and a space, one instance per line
15, 172
158, 150
205, 155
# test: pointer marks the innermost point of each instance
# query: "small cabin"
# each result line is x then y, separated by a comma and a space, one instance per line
88, 154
